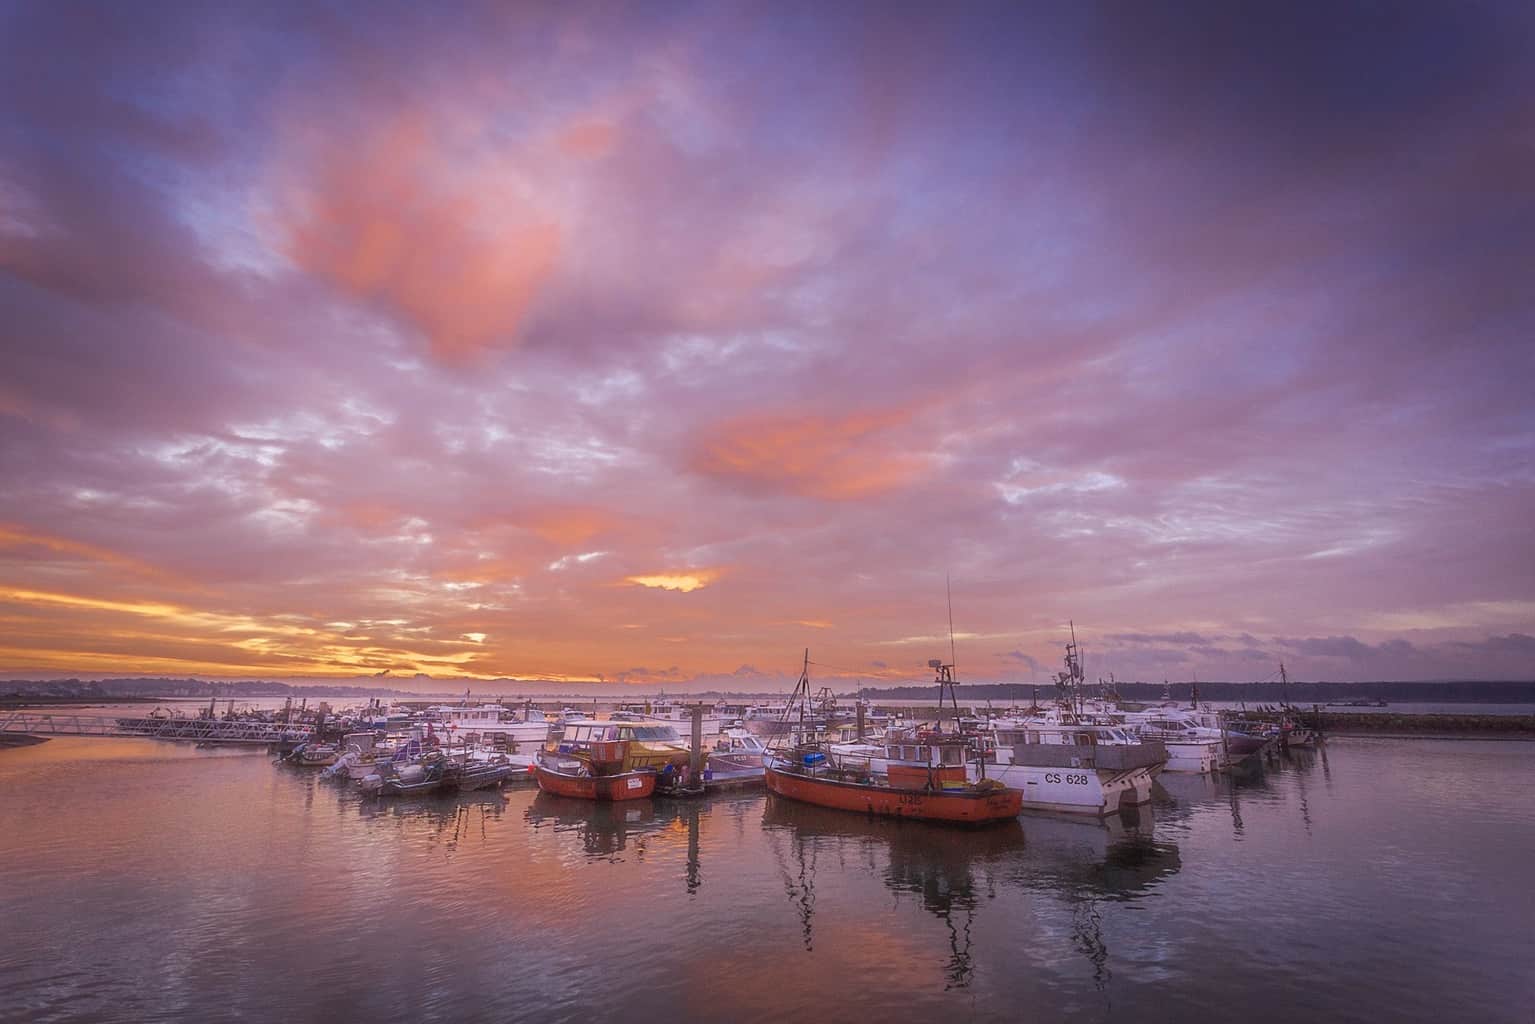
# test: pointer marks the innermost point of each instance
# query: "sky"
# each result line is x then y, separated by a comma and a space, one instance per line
653, 344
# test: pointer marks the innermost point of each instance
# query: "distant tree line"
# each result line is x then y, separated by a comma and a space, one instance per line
1489, 692
160, 687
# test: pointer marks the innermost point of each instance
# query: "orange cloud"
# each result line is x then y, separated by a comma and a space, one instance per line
17, 539
498, 569
442, 240
89, 634
833, 457
570, 524
687, 580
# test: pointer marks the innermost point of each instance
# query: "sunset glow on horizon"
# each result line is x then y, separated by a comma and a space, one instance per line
650, 346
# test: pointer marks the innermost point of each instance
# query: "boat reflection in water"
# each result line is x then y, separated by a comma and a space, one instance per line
464, 817
1090, 865
1288, 779
950, 871
606, 829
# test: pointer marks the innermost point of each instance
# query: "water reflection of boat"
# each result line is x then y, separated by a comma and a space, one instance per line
605, 828
948, 871
441, 817
1115, 858
1093, 864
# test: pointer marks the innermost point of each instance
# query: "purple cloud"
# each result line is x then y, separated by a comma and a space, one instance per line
416, 349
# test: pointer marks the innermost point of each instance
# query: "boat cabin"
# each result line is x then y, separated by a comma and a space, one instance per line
927, 752
629, 744
1064, 734
738, 741
618, 731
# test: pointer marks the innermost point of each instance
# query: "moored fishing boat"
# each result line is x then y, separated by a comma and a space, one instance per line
612, 760
1063, 761
929, 785
568, 776
469, 774
311, 754
1074, 767
494, 722
398, 778
1190, 747
801, 777
735, 750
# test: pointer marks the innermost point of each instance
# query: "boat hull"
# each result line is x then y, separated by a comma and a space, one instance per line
394, 787
1240, 745
623, 786
1095, 791
470, 781
767, 726
1195, 758
966, 808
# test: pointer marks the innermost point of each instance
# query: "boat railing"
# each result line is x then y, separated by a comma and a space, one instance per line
1113, 757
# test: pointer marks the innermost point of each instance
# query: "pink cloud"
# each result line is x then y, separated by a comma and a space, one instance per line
389, 218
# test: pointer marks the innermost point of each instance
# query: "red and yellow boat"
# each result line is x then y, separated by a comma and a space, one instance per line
605, 760
576, 782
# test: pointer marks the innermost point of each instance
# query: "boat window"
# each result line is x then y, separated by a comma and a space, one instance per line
652, 732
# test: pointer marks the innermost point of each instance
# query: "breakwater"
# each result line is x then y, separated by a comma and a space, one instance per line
1385, 723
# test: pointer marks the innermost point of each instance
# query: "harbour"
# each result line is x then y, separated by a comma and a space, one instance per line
249, 890
677, 512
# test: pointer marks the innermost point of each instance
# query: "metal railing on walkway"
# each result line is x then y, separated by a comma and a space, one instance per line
195, 730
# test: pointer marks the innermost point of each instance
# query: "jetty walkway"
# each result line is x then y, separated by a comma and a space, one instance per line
193, 730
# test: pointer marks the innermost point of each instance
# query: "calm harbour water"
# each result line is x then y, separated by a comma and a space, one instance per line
1376, 880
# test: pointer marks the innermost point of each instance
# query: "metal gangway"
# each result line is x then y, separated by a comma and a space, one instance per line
192, 730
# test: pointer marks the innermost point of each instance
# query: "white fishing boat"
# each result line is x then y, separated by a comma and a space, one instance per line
1074, 768
735, 748
492, 722
679, 715
1190, 747
1063, 762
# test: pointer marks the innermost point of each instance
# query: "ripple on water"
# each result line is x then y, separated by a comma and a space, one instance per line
1371, 880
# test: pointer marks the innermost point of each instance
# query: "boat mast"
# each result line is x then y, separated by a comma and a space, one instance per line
1070, 682
946, 672
797, 700
1284, 686
945, 681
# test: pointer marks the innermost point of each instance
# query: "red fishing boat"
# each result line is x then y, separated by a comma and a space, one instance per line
929, 787
981, 803
576, 781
